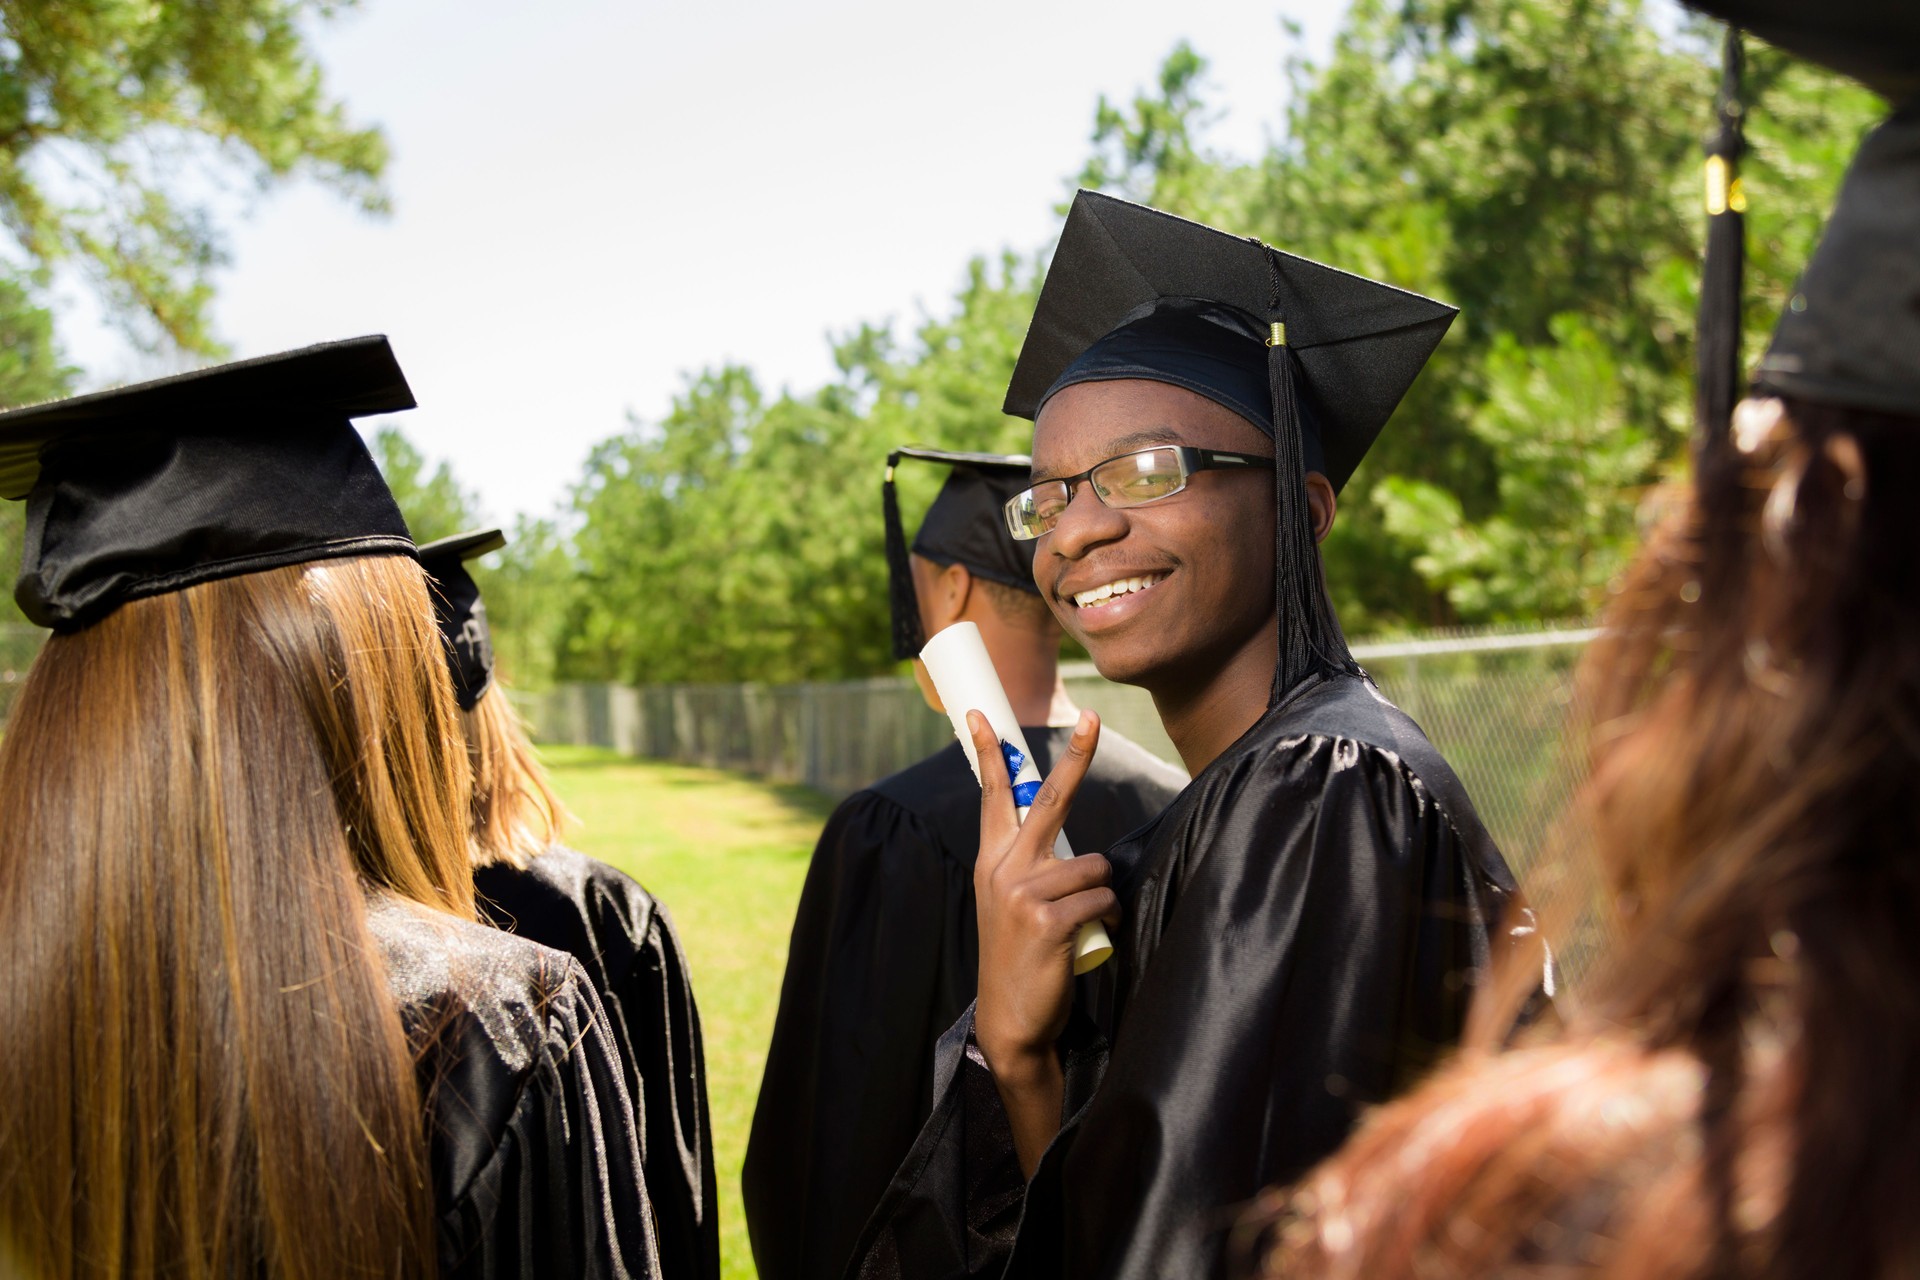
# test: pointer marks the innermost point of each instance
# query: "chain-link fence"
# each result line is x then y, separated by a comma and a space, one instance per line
1495, 704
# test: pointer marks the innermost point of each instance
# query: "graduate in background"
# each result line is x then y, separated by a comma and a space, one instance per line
1739, 1094
1297, 936
884, 953
252, 1027
527, 882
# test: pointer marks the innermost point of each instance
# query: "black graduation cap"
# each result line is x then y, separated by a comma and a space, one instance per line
965, 525
228, 470
1850, 333
1316, 357
1876, 42
461, 612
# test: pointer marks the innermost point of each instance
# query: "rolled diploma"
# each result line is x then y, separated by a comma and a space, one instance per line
963, 675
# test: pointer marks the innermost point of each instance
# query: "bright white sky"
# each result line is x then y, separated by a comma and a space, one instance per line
593, 197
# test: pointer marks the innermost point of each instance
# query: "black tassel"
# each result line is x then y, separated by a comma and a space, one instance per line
908, 638
1311, 641
1718, 339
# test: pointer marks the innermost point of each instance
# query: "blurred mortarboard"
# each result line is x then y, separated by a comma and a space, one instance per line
965, 525
1315, 357
1852, 327
229, 470
1876, 42
461, 612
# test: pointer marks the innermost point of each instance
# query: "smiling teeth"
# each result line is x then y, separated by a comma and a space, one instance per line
1124, 586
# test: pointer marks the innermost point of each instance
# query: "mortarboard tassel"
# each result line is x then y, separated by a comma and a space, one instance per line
1311, 641
908, 638
1718, 339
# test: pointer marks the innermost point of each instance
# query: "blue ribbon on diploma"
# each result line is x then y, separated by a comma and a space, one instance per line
1023, 792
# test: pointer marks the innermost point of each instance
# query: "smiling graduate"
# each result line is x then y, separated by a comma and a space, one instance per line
1298, 934
883, 955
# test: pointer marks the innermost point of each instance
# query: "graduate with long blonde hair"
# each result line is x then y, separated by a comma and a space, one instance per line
251, 1025
528, 882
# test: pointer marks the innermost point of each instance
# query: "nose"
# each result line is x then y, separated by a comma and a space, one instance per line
1085, 524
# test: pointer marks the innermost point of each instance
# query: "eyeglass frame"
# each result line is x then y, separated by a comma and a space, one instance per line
1191, 458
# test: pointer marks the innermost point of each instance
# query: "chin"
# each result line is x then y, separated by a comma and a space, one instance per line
1124, 663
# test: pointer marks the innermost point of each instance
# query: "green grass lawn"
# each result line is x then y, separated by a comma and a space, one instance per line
727, 856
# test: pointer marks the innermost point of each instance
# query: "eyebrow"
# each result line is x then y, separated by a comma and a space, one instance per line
1128, 443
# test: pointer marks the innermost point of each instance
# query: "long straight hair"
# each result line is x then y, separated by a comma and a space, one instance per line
516, 817
1740, 1095
205, 1073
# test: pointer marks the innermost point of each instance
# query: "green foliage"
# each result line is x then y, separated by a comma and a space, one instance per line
529, 591
432, 501
30, 371
528, 586
105, 105
1531, 161
1572, 465
740, 539
1150, 152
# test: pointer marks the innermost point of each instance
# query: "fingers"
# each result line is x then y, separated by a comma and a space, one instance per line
1036, 893
1064, 877
1050, 807
1069, 913
998, 821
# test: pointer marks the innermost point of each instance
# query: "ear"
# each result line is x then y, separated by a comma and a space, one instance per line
953, 592
1321, 502
943, 592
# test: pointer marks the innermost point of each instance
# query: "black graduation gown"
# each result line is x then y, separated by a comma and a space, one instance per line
1302, 928
530, 1131
884, 957
624, 939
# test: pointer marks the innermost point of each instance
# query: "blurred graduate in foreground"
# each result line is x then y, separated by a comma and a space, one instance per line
1297, 935
1739, 1093
527, 882
884, 954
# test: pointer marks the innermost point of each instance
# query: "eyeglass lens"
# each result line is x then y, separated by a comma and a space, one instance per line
1126, 481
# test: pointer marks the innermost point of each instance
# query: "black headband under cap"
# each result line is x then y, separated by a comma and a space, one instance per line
965, 525
460, 611
1209, 349
235, 469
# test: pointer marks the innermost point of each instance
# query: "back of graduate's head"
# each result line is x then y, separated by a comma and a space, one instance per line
1745, 1045
232, 738
1760, 666
1734, 1094
200, 789
514, 815
964, 565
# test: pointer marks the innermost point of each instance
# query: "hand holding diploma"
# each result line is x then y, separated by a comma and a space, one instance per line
962, 672
1039, 906
1033, 907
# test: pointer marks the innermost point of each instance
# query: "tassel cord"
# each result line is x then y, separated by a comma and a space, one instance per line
902, 602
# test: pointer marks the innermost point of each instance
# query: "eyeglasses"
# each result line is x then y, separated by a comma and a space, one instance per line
1130, 480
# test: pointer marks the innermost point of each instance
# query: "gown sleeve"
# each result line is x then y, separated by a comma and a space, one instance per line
562, 1191
649, 995
1302, 945
881, 960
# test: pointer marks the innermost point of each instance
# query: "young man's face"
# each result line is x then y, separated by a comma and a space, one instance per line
1207, 551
